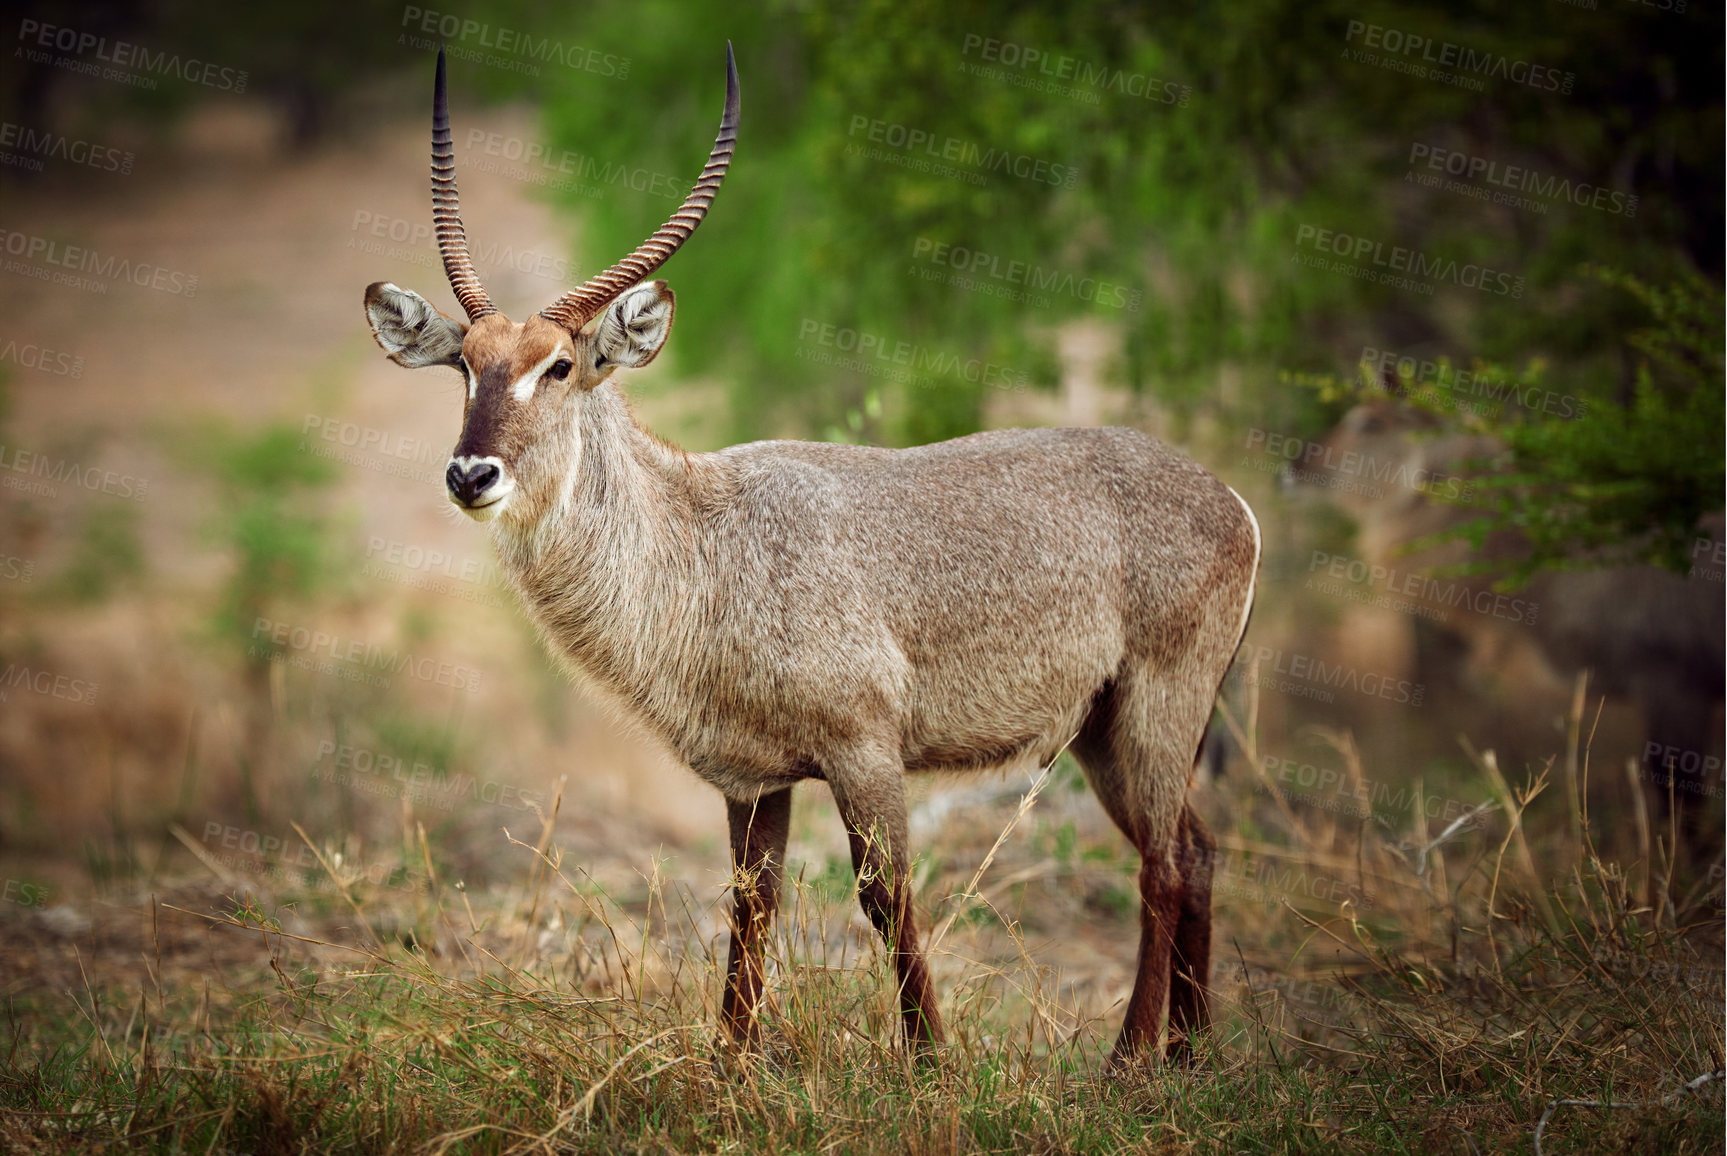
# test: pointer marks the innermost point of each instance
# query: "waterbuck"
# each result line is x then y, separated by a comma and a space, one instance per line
783, 611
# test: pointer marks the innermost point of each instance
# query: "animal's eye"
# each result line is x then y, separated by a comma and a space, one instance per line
560, 370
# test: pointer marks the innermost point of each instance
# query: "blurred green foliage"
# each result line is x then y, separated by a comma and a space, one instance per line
108, 552
269, 518
1628, 481
1588, 482
1259, 123
1177, 157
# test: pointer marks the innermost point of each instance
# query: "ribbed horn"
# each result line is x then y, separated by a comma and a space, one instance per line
447, 212
579, 306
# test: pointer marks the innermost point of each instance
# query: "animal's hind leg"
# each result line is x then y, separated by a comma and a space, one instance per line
1159, 914
1190, 962
1137, 747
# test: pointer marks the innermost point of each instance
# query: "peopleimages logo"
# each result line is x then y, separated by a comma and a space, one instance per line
1416, 54
900, 360
421, 249
41, 475
63, 264
377, 773
40, 41
981, 266
1052, 68
1471, 383
586, 174
353, 658
29, 355
1328, 789
911, 144
1272, 669
24, 893
1374, 584
288, 860
502, 47
373, 449
1396, 265
48, 683
1510, 180
407, 564
1314, 456
28, 148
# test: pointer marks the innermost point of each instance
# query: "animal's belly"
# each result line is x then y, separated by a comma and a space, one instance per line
1019, 705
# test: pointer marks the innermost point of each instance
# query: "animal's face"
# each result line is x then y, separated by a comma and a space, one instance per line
523, 380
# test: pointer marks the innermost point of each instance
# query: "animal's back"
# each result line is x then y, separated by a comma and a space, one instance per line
1014, 522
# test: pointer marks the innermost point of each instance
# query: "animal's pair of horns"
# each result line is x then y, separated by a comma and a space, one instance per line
581, 305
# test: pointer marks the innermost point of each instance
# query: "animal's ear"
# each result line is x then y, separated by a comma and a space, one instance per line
633, 329
410, 329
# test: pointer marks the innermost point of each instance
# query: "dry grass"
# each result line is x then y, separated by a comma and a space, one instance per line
1440, 992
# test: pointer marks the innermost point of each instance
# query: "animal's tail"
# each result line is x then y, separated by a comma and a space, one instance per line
1214, 744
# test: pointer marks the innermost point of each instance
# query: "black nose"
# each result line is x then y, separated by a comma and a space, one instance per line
467, 485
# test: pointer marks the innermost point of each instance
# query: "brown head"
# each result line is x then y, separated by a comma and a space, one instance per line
525, 379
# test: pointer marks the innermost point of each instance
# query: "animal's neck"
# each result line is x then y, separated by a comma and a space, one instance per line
606, 551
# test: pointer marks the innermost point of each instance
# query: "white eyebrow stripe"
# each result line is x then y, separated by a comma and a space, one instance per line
473, 382
524, 387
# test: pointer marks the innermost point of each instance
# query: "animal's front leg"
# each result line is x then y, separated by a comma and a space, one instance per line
759, 829
871, 801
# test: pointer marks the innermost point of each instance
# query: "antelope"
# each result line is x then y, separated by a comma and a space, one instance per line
784, 611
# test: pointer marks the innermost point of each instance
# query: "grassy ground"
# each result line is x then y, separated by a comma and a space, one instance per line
1382, 983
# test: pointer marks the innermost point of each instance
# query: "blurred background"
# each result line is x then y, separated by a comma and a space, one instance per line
1389, 270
